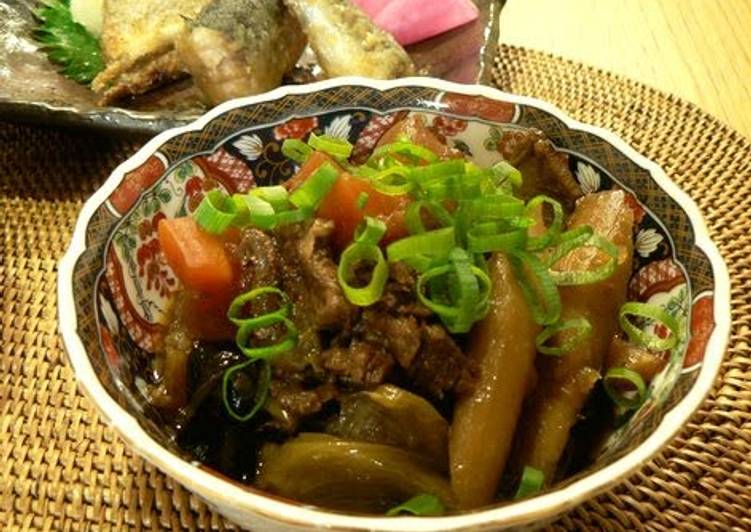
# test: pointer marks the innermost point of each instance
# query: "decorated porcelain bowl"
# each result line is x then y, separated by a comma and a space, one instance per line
114, 284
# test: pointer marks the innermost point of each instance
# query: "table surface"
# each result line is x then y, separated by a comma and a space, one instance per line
699, 50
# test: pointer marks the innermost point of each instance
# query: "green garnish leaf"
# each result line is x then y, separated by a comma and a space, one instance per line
531, 482
67, 43
625, 387
423, 504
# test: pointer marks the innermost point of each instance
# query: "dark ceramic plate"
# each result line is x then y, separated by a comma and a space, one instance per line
31, 90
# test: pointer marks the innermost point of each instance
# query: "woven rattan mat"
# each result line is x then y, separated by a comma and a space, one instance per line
62, 469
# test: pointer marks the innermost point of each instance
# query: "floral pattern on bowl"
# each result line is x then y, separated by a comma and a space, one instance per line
120, 286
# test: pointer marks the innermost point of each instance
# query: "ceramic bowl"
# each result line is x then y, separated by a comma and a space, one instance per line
114, 284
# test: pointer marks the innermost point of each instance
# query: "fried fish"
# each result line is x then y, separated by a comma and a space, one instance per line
240, 47
137, 43
347, 43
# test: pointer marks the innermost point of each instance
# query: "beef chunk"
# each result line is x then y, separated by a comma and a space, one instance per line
292, 401
362, 364
400, 335
258, 255
310, 275
399, 292
440, 365
545, 169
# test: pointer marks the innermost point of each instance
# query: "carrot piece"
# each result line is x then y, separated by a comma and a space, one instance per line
316, 160
416, 130
341, 206
198, 259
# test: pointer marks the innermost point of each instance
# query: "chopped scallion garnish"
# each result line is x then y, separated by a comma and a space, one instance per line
408, 149
334, 146
655, 314
216, 212
531, 482
537, 286
570, 332
362, 200
370, 231
625, 387
422, 505
356, 254
310, 194
553, 231
599, 273
261, 390
437, 243
296, 150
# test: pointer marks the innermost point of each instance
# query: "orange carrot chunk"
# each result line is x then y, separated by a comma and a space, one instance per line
198, 259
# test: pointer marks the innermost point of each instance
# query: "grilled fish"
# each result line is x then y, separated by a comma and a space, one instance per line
240, 47
138, 45
347, 43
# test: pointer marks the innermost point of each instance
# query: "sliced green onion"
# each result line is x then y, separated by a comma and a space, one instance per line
394, 181
437, 243
537, 286
602, 272
334, 146
576, 330
569, 241
422, 505
495, 236
495, 207
254, 210
216, 212
288, 342
653, 313
276, 195
370, 293
237, 307
422, 263
531, 482
414, 151
629, 399
292, 217
370, 231
362, 200
466, 293
262, 388
504, 173
310, 194
296, 150
439, 170
552, 232
413, 216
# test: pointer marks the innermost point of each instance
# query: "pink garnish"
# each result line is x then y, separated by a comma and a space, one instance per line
372, 7
410, 21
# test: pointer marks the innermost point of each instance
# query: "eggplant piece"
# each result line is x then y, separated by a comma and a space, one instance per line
392, 416
565, 381
347, 475
503, 347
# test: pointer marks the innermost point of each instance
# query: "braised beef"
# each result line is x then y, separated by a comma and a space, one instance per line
309, 273
258, 256
292, 402
440, 365
544, 168
340, 347
399, 293
362, 364
399, 335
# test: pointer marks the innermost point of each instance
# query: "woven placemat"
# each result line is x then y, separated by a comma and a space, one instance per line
61, 468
